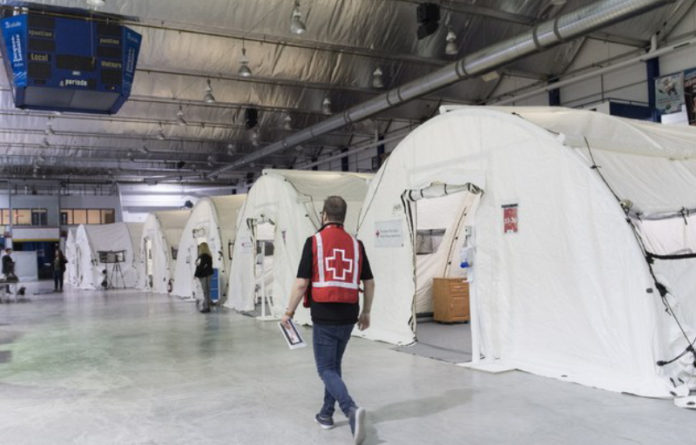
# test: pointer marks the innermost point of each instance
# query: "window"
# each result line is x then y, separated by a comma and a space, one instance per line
5, 217
79, 216
87, 216
66, 217
107, 216
21, 217
428, 241
94, 216
39, 217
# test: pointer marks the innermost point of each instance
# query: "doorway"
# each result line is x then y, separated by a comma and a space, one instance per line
441, 218
263, 231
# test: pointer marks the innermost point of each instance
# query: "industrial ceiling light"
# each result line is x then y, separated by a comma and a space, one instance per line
287, 122
451, 46
326, 105
490, 76
95, 3
244, 69
377, 79
180, 117
49, 129
209, 98
160, 134
297, 26
254, 137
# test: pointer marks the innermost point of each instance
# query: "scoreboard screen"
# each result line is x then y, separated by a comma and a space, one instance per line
65, 64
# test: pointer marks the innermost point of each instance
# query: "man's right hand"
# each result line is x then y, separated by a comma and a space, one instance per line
286, 321
364, 321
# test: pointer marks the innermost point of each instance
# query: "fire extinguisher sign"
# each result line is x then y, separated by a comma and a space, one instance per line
510, 219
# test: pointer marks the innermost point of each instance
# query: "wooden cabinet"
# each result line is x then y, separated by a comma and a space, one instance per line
450, 300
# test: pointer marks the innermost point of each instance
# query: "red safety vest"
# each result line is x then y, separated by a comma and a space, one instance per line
336, 268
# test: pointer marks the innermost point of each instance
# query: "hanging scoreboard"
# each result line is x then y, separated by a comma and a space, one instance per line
67, 63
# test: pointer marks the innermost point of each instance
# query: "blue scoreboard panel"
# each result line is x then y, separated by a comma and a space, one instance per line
67, 63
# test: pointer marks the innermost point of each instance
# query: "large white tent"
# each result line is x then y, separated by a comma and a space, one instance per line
213, 221
561, 286
71, 255
291, 201
88, 266
158, 248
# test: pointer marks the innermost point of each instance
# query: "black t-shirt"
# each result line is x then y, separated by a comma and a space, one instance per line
332, 313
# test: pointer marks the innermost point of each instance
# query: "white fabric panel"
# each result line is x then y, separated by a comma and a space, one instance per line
70, 255
292, 200
669, 236
89, 240
566, 295
651, 164
164, 230
214, 221
26, 265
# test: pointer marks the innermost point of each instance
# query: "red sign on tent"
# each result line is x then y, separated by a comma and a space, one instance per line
510, 218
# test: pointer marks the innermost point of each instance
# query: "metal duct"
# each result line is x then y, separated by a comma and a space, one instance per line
545, 35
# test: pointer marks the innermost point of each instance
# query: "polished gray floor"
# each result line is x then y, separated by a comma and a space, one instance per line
133, 368
450, 342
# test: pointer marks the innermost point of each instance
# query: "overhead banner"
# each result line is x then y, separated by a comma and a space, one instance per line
669, 93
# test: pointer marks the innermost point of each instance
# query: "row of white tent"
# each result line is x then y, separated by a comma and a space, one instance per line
561, 207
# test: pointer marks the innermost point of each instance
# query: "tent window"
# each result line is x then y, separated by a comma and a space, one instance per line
428, 241
268, 251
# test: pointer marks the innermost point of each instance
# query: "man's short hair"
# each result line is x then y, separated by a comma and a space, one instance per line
335, 209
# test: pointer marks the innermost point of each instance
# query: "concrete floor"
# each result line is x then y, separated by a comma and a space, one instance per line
133, 368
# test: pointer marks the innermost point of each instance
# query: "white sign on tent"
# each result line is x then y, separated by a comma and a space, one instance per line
389, 233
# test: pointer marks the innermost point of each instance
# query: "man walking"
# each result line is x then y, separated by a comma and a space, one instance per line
333, 262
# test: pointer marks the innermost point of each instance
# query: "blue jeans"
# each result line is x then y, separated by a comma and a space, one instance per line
330, 343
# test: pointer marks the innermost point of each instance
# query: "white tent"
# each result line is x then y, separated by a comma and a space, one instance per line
291, 201
560, 284
89, 265
70, 255
158, 248
214, 221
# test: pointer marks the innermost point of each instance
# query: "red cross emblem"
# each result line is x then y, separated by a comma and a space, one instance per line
339, 265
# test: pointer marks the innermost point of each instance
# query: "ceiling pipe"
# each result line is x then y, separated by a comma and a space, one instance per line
543, 36
594, 73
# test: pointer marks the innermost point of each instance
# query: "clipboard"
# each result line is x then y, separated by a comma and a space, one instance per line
292, 336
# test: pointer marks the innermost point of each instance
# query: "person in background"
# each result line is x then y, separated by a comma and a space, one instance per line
333, 263
59, 263
8, 266
204, 270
